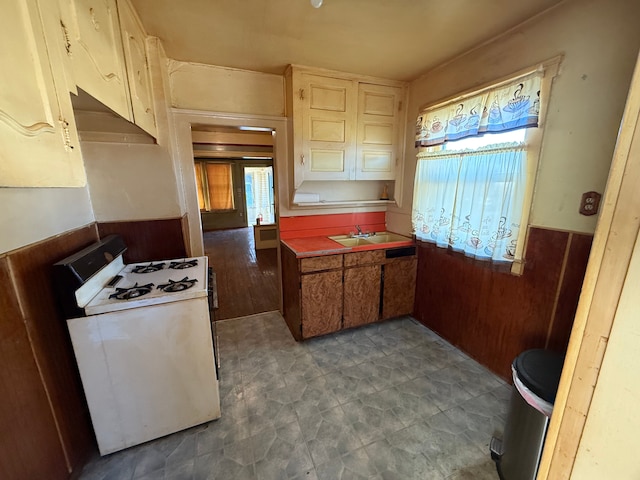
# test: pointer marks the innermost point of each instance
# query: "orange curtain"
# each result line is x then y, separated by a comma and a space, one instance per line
220, 183
200, 184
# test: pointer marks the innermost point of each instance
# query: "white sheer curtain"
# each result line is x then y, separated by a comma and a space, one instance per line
471, 201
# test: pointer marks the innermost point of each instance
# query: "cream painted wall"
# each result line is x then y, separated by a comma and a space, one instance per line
219, 89
29, 215
609, 444
599, 40
130, 181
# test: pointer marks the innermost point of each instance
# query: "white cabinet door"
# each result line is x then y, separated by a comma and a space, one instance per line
379, 109
98, 60
37, 128
135, 55
324, 122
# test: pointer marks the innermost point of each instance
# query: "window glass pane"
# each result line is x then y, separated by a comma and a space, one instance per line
220, 183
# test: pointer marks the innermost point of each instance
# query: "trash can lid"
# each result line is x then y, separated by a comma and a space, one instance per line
540, 371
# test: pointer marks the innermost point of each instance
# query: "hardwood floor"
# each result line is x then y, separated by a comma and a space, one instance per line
247, 278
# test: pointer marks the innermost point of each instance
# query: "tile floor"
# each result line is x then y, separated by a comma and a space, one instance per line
385, 401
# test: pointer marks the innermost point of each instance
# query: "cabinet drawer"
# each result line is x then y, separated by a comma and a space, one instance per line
363, 258
315, 264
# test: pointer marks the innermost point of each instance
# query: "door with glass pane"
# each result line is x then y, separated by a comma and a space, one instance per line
258, 188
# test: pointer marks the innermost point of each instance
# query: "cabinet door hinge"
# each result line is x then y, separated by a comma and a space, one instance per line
301, 94
400, 106
66, 38
302, 159
66, 134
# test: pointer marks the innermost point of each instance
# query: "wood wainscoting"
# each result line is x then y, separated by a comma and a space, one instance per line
148, 240
46, 428
494, 316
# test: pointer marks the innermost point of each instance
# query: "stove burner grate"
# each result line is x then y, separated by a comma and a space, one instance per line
131, 292
178, 286
180, 265
152, 267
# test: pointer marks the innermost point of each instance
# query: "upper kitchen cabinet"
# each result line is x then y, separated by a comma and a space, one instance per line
135, 54
40, 146
345, 127
324, 127
96, 50
380, 116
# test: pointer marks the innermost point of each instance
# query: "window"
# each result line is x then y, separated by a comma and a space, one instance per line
476, 166
215, 185
471, 200
258, 183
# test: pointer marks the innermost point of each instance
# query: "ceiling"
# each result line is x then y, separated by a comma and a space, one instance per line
394, 39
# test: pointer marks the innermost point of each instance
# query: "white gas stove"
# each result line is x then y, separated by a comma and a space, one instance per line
152, 283
142, 337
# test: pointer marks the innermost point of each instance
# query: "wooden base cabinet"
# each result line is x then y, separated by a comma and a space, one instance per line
398, 293
329, 293
321, 303
362, 281
312, 294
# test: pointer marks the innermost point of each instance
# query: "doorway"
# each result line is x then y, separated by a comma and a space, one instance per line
235, 184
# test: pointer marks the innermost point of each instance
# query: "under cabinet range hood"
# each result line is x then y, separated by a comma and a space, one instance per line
98, 123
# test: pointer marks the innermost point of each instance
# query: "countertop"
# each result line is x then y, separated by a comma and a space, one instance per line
317, 246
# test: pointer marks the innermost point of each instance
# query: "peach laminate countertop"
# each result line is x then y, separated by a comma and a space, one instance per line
317, 246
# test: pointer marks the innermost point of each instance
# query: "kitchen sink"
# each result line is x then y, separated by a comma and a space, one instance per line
347, 241
387, 237
378, 238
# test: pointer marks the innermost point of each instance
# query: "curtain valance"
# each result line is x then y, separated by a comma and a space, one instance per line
496, 109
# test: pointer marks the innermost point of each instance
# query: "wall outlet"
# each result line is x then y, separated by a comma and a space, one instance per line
589, 203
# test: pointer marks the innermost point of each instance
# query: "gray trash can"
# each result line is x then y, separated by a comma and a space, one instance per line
536, 374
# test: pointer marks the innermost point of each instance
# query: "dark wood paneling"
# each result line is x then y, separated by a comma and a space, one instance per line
50, 349
30, 444
361, 294
493, 316
148, 240
570, 292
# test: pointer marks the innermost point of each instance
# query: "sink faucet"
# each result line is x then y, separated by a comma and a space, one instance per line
359, 229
